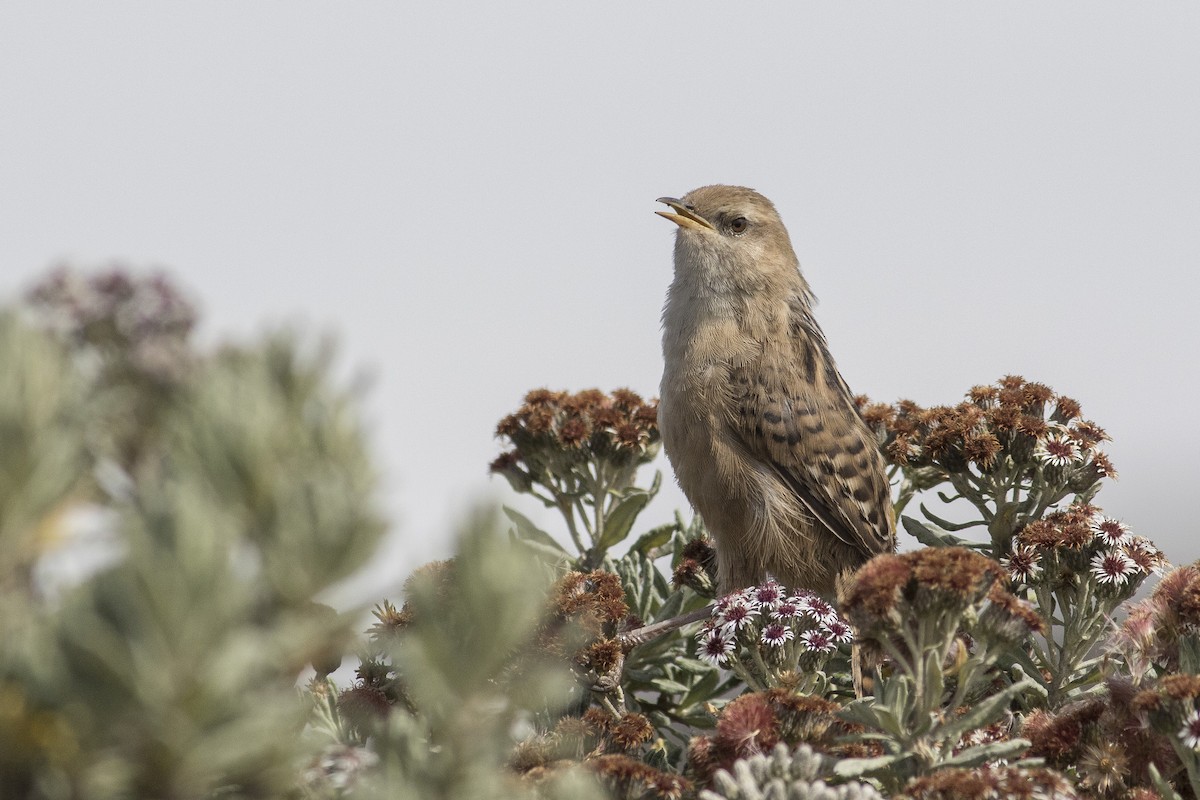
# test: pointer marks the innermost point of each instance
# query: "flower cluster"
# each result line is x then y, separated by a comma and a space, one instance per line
146, 321
579, 453
131, 338
1007, 421
587, 612
756, 722
378, 688
940, 589
989, 783
628, 777
1078, 566
1080, 540
946, 621
554, 431
1172, 706
768, 635
1013, 450
1103, 741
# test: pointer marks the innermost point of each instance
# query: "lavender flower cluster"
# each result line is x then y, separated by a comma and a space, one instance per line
767, 615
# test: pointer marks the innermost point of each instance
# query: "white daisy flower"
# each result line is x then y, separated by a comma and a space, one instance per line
818, 640
769, 595
788, 609
1023, 564
1110, 532
1113, 566
715, 646
738, 613
1189, 734
776, 634
840, 631
1057, 450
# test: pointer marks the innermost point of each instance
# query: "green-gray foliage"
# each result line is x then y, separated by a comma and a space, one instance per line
468, 674
784, 775
170, 671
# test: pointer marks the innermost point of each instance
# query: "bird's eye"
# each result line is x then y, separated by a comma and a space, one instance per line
739, 225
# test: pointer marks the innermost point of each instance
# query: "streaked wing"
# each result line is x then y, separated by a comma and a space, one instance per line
794, 411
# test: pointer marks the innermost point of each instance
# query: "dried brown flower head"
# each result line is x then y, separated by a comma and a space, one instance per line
747, 726
1068, 529
952, 576
875, 593
532, 754
1007, 618
889, 588
595, 599
630, 731
990, 783
390, 621
628, 777
601, 657
575, 735
1180, 686
554, 431
1058, 737
436, 577
701, 760
994, 425
806, 718
363, 705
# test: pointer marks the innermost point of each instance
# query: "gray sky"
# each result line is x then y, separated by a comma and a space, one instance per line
464, 193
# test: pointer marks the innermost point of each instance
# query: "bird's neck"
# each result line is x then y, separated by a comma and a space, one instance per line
702, 294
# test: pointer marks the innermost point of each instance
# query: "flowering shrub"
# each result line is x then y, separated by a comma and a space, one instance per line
1005, 656
768, 637
1012, 451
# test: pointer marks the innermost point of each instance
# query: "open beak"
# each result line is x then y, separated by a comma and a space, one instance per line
684, 216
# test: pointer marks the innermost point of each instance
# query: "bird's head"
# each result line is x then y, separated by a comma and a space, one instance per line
729, 234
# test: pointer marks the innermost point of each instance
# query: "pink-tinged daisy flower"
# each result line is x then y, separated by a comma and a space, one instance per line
738, 614
818, 640
1110, 532
818, 609
1113, 566
724, 600
1056, 450
1189, 734
776, 634
801, 599
769, 595
840, 631
715, 646
1023, 564
721, 604
786, 610
742, 597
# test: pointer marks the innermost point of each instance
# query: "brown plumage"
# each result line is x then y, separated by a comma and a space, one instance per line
759, 426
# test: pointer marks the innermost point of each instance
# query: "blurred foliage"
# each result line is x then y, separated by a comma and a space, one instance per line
170, 518
785, 773
170, 669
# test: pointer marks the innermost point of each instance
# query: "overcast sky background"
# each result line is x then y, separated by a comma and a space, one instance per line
464, 194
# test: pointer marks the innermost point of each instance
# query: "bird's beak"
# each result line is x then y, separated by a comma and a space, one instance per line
685, 218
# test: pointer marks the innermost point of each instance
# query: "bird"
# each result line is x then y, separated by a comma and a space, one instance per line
759, 426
